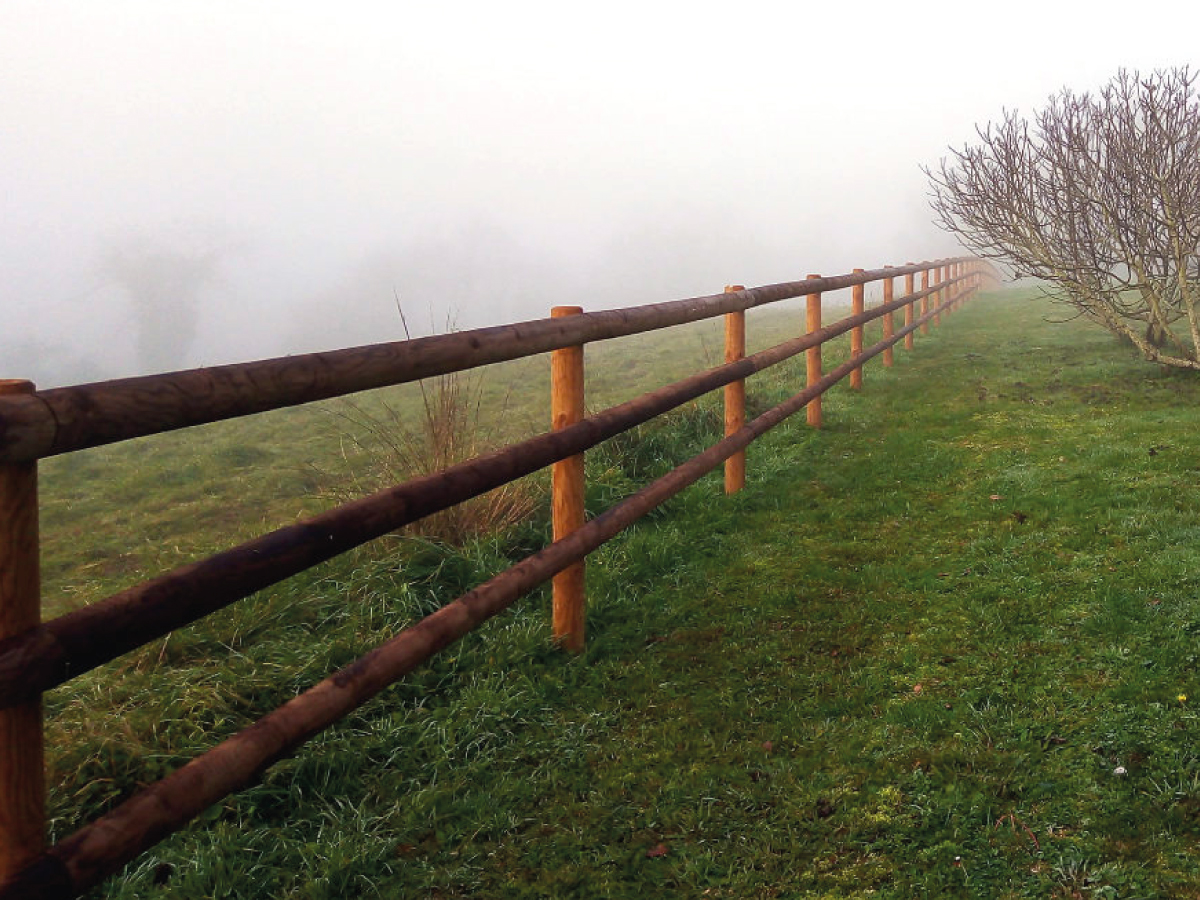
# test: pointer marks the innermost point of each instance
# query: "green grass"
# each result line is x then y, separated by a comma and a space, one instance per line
119, 514
905, 662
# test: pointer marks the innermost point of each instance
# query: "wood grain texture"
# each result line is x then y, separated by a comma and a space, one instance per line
735, 395
925, 301
939, 278
889, 321
908, 310
857, 301
812, 360
568, 487
22, 788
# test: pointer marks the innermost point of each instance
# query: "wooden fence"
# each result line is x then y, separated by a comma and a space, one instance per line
37, 656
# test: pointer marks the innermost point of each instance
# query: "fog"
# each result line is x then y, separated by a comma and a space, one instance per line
196, 183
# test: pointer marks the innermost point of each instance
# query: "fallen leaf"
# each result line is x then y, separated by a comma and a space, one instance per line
768, 746
916, 689
656, 851
995, 497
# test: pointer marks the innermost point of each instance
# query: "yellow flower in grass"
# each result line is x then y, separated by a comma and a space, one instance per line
1182, 698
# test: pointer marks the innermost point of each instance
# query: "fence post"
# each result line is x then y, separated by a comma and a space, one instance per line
936, 298
925, 300
735, 393
908, 308
22, 785
812, 356
889, 323
856, 334
567, 487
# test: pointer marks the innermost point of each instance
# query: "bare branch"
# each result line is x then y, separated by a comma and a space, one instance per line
1098, 195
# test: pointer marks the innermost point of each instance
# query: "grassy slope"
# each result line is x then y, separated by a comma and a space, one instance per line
906, 661
116, 515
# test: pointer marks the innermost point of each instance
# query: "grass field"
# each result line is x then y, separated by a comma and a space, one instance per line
122, 513
945, 646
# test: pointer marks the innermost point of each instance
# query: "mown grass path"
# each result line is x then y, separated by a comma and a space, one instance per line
944, 647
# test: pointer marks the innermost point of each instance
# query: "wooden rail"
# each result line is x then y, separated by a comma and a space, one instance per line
61, 420
35, 657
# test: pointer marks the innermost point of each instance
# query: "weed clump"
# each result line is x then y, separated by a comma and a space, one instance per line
450, 425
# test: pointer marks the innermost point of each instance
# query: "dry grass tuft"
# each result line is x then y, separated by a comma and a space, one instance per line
449, 427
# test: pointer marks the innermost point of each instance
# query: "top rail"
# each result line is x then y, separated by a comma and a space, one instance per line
61, 420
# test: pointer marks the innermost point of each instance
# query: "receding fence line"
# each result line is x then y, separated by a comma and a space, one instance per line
98, 849
99, 632
61, 420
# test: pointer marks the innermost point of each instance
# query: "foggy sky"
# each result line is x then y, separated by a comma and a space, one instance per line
308, 163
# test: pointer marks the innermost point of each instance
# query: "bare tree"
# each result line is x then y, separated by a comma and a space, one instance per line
1100, 196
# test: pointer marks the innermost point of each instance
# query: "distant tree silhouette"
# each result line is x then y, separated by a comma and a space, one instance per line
164, 285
